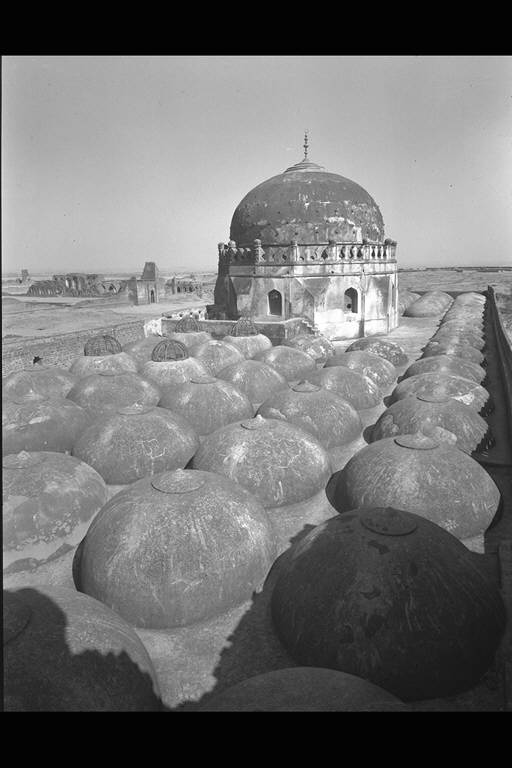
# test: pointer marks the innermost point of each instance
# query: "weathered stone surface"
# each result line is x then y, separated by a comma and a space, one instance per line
308, 204
467, 391
437, 415
42, 425
317, 347
84, 366
216, 355
249, 346
377, 368
389, 350
466, 315
446, 347
291, 363
390, 597
191, 338
462, 325
142, 349
256, 379
173, 371
43, 381
66, 652
303, 689
175, 549
207, 403
423, 476
470, 297
432, 303
359, 390
278, 462
321, 413
459, 337
49, 500
450, 364
102, 394
135, 442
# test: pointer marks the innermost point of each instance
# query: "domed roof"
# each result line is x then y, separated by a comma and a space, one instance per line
309, 204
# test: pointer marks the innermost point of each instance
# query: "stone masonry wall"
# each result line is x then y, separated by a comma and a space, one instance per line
61, 349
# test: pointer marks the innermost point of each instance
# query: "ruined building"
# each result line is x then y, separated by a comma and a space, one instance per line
309, 243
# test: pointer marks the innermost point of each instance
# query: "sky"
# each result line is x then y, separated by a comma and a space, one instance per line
108, 162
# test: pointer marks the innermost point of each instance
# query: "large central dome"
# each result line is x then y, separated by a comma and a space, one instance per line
308, 204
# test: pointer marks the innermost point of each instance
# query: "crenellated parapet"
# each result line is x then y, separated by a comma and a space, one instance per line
259, 254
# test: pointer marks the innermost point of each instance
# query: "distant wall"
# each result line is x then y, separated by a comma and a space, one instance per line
61, 349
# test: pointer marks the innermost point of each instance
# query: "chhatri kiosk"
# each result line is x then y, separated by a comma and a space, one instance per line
309, 244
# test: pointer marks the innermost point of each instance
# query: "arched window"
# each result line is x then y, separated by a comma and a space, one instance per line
351, 300
275, 303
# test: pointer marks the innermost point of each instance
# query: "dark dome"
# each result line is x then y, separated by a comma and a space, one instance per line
307, 204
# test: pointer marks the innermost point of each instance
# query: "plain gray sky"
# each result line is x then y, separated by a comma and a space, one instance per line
112, 161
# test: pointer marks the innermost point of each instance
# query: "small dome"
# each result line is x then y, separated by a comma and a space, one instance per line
49, 500
216, 355
289, 362
135, 442
104, 393
466, 391
303, 689
464, 312
169, 350
463, 326
176, 549
389, 350
42, 425
84, 366
255, 379
278, 462
141, 350
471, 298
446, 347
359, 593
42, 381
317, 347
330, 419
424, 476
455, 366
173, 371
432, 303
459, 337
437, 415
99, 346
377, 368
359, 390
244, 326
65, 652
249, 346
405, 299
207, 403
187, 324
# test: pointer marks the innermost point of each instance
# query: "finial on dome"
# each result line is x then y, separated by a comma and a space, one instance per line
306, 144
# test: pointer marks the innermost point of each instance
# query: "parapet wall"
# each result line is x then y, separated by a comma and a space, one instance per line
61, 349
277, 332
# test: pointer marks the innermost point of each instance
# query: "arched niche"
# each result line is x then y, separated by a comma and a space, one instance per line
275, 303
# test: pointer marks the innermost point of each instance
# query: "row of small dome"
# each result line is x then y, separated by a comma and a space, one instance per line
36, 417
106, 529
446, 382
377, 593
433, 303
